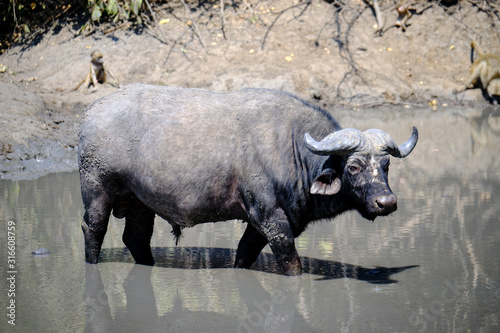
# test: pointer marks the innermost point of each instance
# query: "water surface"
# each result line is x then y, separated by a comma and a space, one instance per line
431, 266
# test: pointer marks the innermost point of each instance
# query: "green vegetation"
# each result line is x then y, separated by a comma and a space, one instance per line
116, 9
21, 18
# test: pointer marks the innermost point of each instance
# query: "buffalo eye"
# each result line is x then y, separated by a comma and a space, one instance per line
354, 169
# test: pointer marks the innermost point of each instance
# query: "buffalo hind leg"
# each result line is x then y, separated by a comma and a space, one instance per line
95, 224
249, 247
139, 223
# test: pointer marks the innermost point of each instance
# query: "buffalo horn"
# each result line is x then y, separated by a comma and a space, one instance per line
406, 148
349, 140
341, 142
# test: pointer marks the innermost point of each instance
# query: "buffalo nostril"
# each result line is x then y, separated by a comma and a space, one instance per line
386, 201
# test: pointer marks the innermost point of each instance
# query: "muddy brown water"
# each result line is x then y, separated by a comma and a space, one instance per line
431, 266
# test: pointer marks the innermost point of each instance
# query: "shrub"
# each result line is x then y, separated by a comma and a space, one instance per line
116, 9
20, 18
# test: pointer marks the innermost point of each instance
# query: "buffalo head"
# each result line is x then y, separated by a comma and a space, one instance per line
358, 167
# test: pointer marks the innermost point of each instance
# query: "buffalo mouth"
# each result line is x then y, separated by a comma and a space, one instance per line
373, 211
386, 211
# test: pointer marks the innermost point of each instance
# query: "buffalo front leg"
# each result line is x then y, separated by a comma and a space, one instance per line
283, 247
139, 223
249, 247
281, 240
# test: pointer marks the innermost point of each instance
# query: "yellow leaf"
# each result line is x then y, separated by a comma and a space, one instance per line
163, 21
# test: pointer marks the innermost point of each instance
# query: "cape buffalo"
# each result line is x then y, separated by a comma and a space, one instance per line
192, 156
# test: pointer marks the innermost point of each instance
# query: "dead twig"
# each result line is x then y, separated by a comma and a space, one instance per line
278, 16
122, 26
491, 9
150, 11
196, 30
252, 12
387, 102
380, 19
378, 15
222, 18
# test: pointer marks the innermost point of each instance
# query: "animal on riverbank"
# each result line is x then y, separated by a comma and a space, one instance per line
98, 73
193, 156
485, 74
404, 14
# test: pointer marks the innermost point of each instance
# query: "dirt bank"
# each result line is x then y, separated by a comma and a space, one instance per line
323, 52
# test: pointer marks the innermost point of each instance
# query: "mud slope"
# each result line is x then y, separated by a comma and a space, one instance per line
324, 53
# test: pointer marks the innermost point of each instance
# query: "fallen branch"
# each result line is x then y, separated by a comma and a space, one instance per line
378, 15
196, 29
380, 19
278, 16
151, 11
222, 18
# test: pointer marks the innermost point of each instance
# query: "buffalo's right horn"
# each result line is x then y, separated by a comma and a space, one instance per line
406, 148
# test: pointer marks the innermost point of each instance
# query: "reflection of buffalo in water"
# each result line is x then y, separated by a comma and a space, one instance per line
194, 156
270, 309
210, 258
259, 310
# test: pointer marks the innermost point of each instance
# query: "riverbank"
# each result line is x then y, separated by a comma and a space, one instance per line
325, 53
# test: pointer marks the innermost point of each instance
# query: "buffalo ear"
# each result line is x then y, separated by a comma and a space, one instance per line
326, 184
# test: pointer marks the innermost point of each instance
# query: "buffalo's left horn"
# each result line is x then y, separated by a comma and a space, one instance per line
342, 142
406, 148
